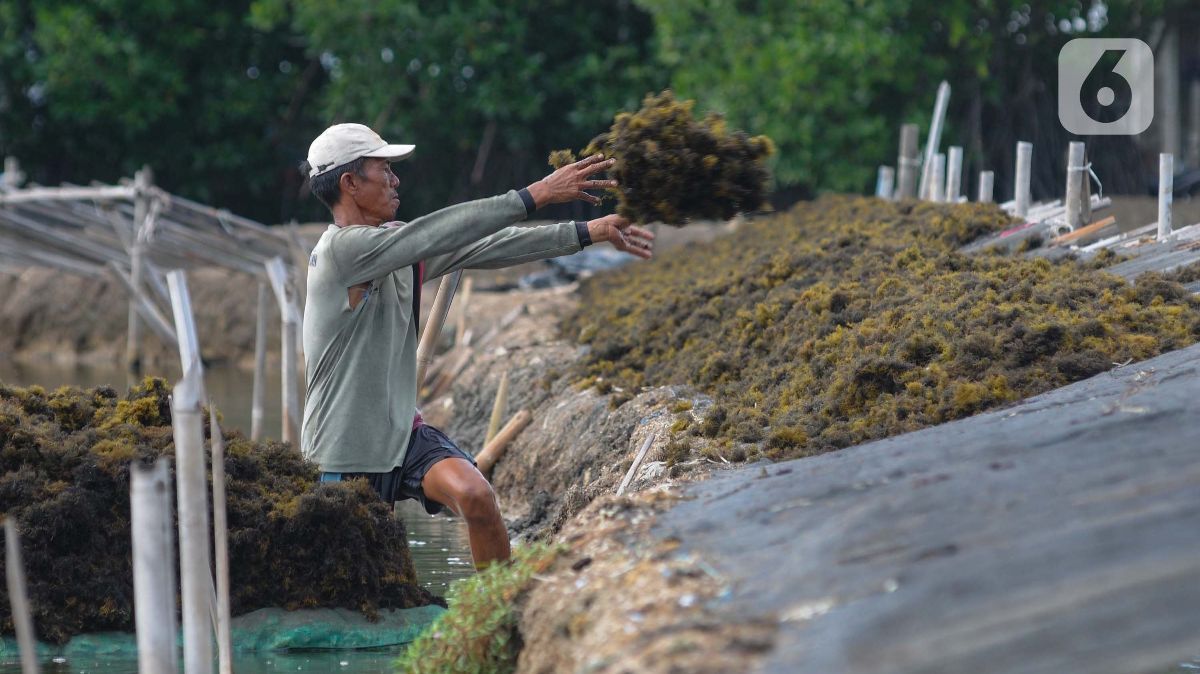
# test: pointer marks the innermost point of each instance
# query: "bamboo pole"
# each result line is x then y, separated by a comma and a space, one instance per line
67, 194
289, 334
18, 598
153, 581
954, 165
986, 181
492, 451
185, 324
885, 182
907, 162
497, 408
133, 341
1166, 180
146, 308
937, 178
1073, 192
433, 327
260, 364
637, 461
935, 138
460, 328
194, 572
221, 544
447, 378
1021, 196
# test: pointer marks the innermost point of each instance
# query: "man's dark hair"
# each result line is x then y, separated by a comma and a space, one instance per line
325, 186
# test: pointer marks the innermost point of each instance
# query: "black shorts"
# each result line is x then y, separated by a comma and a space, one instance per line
426, 446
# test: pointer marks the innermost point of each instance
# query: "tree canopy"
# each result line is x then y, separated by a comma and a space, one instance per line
222, 99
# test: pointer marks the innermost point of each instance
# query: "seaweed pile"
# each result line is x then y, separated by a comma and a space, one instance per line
65, 457
672, 167
850, 319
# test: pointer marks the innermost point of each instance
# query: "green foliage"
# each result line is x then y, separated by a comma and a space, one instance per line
479, 635
829, 80
475, 82
849, 319
672, 167
92, 91
65, 459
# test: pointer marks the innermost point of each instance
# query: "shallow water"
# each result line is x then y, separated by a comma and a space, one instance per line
438, 544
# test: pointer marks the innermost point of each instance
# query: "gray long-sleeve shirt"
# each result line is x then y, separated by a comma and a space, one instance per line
361, 362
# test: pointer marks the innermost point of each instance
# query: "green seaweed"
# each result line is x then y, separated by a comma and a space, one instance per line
293, 543
672, 167
850, 319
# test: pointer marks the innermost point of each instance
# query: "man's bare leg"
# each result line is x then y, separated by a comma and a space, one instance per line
458, 485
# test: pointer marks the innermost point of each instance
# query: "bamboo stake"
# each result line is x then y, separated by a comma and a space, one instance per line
437, 318
460, 328
133, 340
193, 523
497, 408
153, 581
937, 178
935, 138
185, 324
907, 162
885, 182
221, 544
1074, 189
146, 308
986, 181
954, 165
289, 334
1166, 179
18, 597
637, 461
260, 364
1024, 173
447, 379
67, 194
12, 173
488, 456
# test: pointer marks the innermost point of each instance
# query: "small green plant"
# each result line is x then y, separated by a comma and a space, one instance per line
478, 635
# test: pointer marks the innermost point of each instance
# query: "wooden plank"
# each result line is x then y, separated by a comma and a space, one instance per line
66, 193
1083, 232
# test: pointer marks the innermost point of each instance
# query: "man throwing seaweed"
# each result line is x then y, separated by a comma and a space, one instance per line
363, 307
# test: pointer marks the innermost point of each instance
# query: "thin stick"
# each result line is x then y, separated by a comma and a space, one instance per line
885, 182
491, 453
460, 328
153, 581
260, 365
497, 408
937, 178
954, 164
1076, 178
637, 461
289, 312
18, 597
986, 181
1166, 180
221, 543
193, 524
447, 379
907, 162
1024, 171
437, 318
935, 138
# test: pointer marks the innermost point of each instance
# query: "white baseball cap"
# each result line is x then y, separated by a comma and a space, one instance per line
343, 143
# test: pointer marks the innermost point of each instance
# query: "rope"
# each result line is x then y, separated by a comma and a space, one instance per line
1088, 167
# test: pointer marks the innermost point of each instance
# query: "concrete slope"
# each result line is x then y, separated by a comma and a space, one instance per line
1061, 534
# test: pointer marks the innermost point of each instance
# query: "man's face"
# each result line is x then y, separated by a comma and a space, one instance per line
375, 194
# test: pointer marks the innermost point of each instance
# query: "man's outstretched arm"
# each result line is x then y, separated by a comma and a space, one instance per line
366, 253
515, 245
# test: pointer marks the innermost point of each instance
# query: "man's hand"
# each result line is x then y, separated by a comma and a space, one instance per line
623, 235
569, 182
